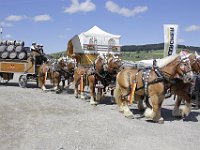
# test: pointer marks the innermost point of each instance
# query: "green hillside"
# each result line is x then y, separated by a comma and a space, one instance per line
141, 52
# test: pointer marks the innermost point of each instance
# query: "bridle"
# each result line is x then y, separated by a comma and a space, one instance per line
185, 66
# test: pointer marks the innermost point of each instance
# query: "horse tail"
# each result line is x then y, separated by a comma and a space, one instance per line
117, 92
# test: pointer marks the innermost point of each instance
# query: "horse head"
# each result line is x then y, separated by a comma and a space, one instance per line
195, 62
184, 68
71, 64
178, 64
101, 64
114, 64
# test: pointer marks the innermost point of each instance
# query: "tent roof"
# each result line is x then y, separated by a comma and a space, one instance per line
97, 31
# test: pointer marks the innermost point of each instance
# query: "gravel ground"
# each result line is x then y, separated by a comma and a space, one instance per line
33, 120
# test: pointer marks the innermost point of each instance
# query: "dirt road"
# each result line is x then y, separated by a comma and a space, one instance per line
33, 120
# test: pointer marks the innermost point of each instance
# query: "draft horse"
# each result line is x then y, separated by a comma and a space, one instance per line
184, 91
82, 72
104, 76
151, 83
54, 70
68, 74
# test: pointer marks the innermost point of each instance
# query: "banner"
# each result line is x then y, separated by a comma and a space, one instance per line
170, 39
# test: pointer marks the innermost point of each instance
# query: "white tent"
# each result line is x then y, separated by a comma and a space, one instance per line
97, 40
101, 36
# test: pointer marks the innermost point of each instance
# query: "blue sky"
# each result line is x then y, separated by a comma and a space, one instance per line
53, 22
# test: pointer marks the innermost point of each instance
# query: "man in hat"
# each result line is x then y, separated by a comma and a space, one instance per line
36, 53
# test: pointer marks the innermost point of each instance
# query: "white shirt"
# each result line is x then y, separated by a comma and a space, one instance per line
33, 47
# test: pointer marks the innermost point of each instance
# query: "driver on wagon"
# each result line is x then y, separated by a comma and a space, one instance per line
37, 54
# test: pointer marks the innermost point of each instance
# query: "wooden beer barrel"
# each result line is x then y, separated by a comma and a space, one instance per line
12, 55
10, 48
2, 48
19, 48
4, 54
21, 55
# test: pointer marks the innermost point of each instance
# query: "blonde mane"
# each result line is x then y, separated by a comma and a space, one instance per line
166, 60
110, 59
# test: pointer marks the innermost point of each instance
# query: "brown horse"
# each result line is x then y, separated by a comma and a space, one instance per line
68, 74
54, 70
103, 77
183, 90
151, 83
81, 74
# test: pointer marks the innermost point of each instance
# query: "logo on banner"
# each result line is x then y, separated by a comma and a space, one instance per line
170, 38
171, 42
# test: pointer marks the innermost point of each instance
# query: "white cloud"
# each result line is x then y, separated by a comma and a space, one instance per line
193, 28
181, 40
86, 6
114, 8
15, 18
41, 18
5, 24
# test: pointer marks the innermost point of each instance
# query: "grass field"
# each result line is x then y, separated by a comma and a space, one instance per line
141, 55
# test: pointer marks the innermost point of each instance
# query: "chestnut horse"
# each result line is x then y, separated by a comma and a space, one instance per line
103, 77
54, 70
81, 74
183, 91
151, 83
68, 74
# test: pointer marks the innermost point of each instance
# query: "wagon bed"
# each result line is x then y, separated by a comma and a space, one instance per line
27, 69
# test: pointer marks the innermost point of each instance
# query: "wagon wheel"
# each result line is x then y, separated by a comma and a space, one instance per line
23, 81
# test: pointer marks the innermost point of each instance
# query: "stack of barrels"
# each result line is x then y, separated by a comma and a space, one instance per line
12, 49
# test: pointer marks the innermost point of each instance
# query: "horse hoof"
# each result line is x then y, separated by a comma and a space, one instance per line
93, 103
44, 90
161, 121
184, 115
58, 91
129, 116
82, 97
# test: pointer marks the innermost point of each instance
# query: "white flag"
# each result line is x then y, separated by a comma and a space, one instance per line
170, 39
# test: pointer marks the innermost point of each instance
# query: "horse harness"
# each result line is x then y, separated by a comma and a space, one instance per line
145, 79
104, 76
161, 77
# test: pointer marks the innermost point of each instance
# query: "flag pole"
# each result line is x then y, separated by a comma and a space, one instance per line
1, 31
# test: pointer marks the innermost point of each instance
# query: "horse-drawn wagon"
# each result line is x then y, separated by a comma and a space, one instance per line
15, 58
